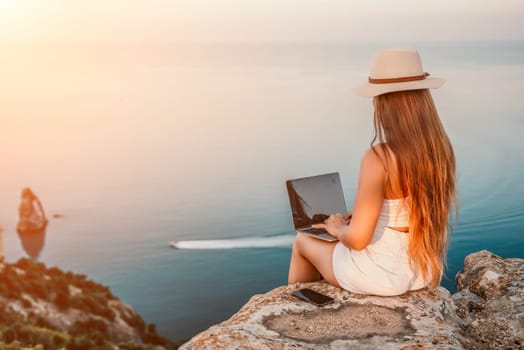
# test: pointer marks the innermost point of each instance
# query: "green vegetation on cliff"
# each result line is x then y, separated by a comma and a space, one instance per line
46, 308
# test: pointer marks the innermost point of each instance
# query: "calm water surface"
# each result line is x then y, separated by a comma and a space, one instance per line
140, 145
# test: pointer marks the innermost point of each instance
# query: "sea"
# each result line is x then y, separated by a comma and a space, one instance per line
135, 144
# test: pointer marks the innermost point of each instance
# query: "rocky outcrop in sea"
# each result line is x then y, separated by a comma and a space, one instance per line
487, 312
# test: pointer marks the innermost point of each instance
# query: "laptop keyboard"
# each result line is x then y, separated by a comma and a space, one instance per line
315, 231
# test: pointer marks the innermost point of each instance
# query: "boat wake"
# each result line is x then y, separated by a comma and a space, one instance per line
262, 242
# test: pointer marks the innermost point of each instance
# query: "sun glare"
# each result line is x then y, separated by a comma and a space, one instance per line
7, 4
9, 9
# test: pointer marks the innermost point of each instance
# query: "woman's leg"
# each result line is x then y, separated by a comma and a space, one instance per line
311, 259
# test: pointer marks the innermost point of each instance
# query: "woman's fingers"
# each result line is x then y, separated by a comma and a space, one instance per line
335, 219
334, 216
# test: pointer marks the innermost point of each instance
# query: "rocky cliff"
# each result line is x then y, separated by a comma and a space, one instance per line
53, 309
487, 312
490, 301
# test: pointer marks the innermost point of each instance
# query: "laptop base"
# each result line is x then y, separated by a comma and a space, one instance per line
323, 236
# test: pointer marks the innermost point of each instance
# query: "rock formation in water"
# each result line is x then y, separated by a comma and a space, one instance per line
31, 215
486, 313
55, 309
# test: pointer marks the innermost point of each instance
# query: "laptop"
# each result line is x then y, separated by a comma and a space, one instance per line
313, 199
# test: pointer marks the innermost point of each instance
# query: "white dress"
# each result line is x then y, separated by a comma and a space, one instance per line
382, 268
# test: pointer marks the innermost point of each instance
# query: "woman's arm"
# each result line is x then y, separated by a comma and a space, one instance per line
369, 200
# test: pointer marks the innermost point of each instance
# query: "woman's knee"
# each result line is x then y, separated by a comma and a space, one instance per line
294, 247
299, 242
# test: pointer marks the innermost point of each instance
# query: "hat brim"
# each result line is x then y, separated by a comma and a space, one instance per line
370, 90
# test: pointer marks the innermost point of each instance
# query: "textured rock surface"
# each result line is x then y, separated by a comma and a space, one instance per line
486, 313
490, 299
424, 319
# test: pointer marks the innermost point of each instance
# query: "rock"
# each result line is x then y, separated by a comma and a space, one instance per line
424, 319
53, 303
487, 312
491, 301
31, 215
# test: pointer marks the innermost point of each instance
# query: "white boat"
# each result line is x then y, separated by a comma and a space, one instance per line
173, 244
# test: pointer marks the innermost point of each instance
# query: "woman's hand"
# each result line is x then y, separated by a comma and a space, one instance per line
336, 225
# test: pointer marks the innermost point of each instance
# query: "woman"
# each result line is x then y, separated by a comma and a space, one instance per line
394, 240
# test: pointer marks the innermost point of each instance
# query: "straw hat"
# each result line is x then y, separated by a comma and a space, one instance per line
397, 70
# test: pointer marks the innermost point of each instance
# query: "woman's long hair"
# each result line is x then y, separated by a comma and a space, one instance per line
408, 122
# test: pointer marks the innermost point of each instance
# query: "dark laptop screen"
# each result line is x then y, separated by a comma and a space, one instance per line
314, 198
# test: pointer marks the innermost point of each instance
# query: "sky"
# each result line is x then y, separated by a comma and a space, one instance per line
260, 20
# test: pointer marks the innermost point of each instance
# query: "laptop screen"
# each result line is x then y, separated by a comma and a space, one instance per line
314, 198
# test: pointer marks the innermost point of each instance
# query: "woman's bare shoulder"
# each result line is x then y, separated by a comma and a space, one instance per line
382, 150
372, 161
378, 154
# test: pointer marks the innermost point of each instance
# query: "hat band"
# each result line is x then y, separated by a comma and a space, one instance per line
398, 80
